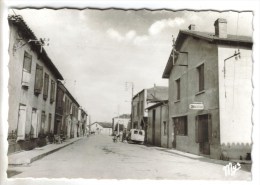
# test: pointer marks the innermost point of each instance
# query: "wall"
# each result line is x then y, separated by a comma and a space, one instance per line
139, 116
235, 91
199, 52
164, 117
26, 96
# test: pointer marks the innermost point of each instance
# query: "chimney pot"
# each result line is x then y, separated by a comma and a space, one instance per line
192, 27
221, 28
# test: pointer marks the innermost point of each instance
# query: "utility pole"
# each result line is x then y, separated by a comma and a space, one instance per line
132, 84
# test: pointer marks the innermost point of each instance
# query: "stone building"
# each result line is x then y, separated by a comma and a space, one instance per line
32, 87
210, 92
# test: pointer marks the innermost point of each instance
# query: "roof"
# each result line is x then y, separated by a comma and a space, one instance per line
60, 84
209, 37
157, 104
27, 33
124, 116
156, 93
104, 124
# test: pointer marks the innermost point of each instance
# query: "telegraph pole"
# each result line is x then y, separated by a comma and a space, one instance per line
132, 84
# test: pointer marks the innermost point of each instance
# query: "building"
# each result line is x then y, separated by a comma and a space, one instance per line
123, 121
82, 128
102, 128
215, 70
144, 99
67, 116
32, 88
157, 128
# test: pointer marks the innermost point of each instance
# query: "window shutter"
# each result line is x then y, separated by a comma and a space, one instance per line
38, 79
27, 62
46, 86
210, 128
197, 129
52, 91
21, 123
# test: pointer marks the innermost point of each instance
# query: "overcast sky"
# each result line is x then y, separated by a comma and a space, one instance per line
98, 51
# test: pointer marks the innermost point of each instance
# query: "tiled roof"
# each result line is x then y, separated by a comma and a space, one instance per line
18, 21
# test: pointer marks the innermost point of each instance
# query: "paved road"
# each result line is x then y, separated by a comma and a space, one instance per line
97, 157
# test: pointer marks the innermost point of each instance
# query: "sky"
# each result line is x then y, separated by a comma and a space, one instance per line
98, 51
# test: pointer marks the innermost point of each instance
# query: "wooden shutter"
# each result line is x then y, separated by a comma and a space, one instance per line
52, 91
210, 128
46, 86
27, 62
38, 79
21, 123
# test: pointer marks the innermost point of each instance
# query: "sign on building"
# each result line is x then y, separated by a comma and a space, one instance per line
196, 106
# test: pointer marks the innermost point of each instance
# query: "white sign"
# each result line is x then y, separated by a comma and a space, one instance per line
196, 106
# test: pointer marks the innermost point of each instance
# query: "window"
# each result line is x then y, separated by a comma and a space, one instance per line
178, 89
181, 126
164, 128
201, 77
53, 91
27, 62
46, 86
38, 79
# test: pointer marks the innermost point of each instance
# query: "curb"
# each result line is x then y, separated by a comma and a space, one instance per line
49, 152
35, 158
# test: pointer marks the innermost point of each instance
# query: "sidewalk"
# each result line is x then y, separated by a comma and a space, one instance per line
27, 157
246, 165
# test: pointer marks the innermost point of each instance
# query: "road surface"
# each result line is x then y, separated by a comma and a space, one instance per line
97, 157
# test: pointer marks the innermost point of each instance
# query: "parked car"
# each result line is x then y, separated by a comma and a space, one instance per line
136, 136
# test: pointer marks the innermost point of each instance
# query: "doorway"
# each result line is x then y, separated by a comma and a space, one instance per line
204, 133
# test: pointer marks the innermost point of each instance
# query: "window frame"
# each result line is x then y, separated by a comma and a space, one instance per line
27, 56
201, 77
178, 89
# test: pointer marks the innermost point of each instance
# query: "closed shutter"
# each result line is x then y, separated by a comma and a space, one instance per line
52, 91
46, 86
210, 128
21, 123
27, 62
38, 79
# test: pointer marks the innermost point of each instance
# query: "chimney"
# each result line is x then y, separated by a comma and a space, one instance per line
192, 27
221, 28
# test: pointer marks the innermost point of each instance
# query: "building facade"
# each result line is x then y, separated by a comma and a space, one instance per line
141, 101
158, 121
102, 128
212, 70
32, 88
122, 120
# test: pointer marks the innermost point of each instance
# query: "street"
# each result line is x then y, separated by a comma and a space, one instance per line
97, 157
